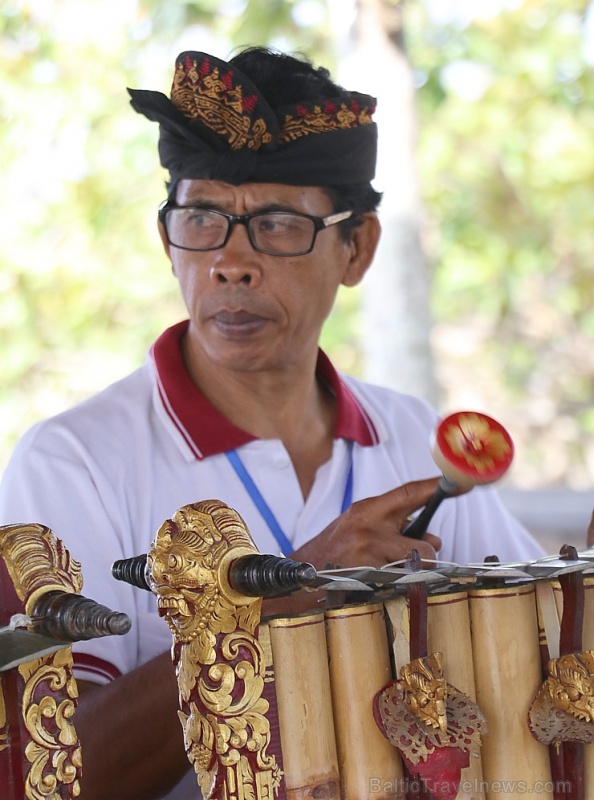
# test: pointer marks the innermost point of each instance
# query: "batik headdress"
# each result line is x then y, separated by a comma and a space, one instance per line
218, 126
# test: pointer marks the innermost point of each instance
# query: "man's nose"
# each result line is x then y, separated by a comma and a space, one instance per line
237, 262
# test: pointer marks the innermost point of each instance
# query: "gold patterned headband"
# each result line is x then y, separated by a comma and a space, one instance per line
218, 125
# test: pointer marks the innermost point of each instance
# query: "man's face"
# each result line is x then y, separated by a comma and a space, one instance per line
250, 311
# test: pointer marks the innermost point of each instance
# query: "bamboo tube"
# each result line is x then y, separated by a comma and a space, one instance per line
304, 704
370, 767
506, 655
448, 633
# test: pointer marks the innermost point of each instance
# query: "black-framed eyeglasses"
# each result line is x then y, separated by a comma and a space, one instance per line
275, 233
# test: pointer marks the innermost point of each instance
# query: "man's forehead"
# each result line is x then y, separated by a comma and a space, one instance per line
193, 190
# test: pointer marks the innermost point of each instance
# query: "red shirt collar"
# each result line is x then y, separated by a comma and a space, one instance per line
207, 432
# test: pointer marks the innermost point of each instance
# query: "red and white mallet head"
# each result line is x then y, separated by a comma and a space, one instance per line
471, 448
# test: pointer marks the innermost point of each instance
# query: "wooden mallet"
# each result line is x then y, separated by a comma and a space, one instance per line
471, 449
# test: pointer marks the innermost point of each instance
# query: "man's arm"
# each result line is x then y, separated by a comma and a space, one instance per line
130, 734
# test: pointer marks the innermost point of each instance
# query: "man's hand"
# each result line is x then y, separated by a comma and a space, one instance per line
369, 533
590, 534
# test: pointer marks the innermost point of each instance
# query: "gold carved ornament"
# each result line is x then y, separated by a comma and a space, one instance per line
219, 661
37, 563
563, 710
53, 751
435, 727
425, 690
422, 712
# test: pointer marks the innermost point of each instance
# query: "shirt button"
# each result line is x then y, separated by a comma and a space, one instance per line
281, 462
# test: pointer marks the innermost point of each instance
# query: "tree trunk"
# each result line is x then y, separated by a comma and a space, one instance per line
397, 320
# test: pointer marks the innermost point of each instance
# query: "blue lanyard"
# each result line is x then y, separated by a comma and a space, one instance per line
265, 510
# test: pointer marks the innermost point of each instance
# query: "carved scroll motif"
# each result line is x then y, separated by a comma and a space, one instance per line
219, 660
38, 562
49, 701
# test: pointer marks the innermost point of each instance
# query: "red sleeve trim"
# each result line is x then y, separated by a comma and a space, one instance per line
96, 669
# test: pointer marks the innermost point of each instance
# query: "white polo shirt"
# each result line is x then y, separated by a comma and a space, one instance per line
106, 474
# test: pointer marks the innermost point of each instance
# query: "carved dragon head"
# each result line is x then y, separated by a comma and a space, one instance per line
187, 565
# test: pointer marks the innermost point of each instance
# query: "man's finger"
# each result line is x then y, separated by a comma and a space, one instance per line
425, 549
434, 541
406, 498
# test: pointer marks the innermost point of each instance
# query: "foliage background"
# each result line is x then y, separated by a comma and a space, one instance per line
505, 158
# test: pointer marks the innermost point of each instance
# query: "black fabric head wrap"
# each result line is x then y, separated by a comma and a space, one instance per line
218, 126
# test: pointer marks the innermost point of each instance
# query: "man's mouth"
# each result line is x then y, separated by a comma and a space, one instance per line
238, 323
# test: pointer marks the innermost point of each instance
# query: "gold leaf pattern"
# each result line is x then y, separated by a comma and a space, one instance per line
203, 93
215, 94
53, 751
38, 562
320, 119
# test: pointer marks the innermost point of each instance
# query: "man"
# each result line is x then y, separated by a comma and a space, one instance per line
270, 209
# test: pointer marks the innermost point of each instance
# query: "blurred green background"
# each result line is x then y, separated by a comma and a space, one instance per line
503, 155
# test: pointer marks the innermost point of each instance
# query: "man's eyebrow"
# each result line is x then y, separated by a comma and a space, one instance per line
204, 203
198, 202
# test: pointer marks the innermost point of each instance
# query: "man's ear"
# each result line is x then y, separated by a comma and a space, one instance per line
164, 239
365, 238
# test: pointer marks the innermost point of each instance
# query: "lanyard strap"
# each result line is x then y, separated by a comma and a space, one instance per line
347, 498
265, 510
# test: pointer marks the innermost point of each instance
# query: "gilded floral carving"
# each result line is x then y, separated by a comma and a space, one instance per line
219, 660
48, 705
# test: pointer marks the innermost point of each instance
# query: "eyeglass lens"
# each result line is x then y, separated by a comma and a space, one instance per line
272, 232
